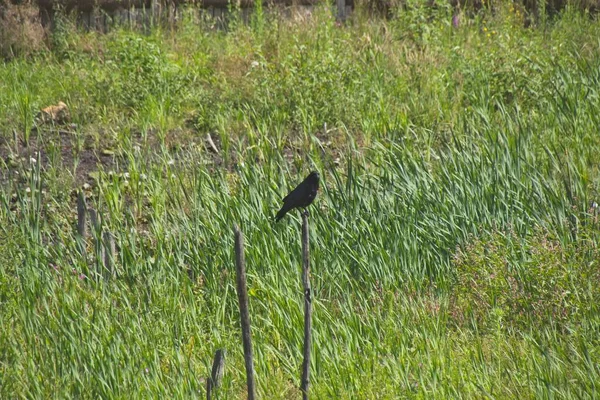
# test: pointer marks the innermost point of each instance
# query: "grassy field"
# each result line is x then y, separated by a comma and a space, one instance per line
454, 241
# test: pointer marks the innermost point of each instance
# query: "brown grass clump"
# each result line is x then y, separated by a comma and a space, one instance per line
21, 30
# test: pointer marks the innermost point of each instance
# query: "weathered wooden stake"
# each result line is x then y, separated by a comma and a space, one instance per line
214, 381
81, 212
94, 220
97, 235
341, 10
109, 253
244, 314
307, 307
16, 141
81, 225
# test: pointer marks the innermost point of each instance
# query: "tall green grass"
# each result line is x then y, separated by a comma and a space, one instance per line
454, 246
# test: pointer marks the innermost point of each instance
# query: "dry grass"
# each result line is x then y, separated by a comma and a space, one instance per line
21, 30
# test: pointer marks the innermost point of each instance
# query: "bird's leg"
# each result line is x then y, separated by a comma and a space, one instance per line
305, 212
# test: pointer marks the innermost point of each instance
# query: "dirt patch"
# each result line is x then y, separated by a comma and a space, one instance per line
58, 145
62, 147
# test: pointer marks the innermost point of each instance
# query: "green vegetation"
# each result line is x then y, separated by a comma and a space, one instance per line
454, 242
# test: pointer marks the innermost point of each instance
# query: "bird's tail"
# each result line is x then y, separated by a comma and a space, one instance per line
280, 214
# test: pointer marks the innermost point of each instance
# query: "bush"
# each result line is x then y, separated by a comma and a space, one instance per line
21, 30
137, 69
504, 282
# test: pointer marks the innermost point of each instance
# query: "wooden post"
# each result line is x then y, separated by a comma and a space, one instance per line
307, 307
16, 141
156, 12
341, 10
81, 211
81, 225
97, 235
244, 314
214, 381
94, 219
109, 253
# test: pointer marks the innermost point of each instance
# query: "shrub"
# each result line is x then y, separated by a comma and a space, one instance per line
21, 30
137, 69
504, 282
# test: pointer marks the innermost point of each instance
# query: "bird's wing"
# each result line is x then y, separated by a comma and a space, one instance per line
289, 195
302, 187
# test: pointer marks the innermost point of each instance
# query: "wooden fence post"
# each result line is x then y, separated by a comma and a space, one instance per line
16, 141
104, 243
96, 226
81, 211
244, 314
81, 222
341, 10
110, 252
307, 307
214, 381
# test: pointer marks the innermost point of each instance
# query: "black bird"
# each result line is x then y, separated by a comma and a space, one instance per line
302, 196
